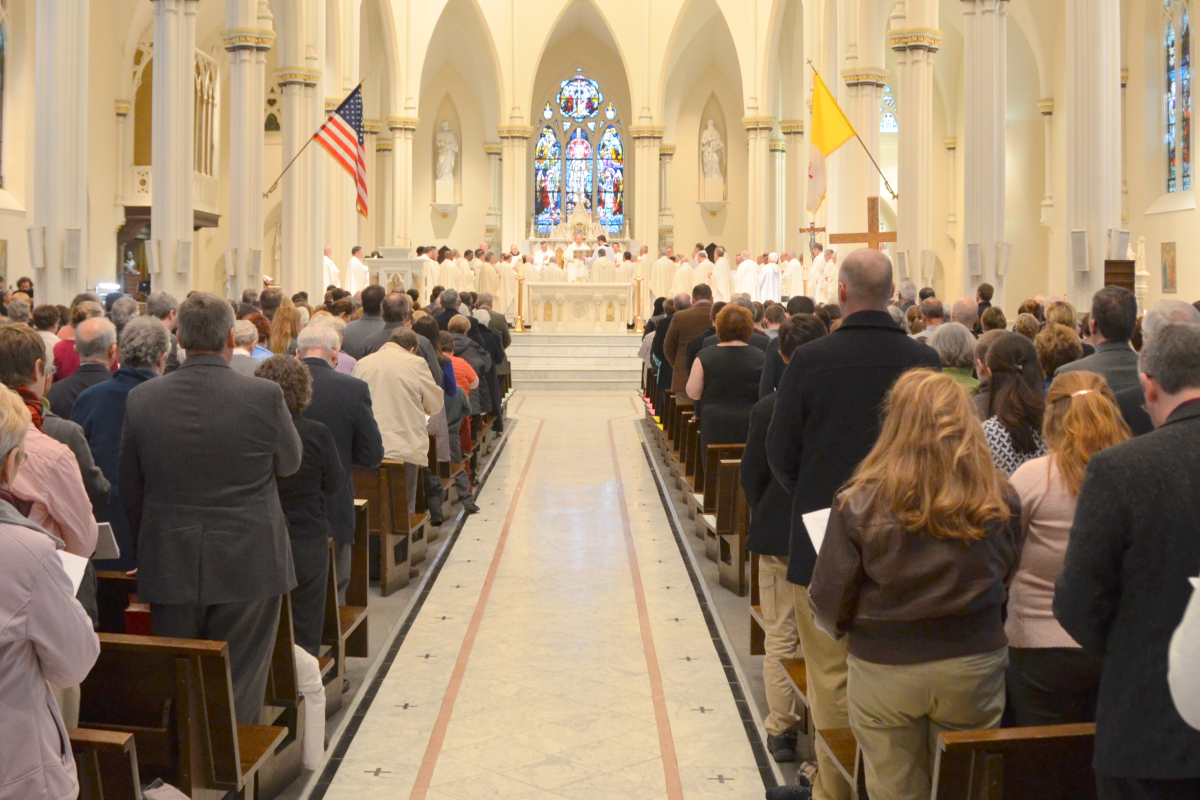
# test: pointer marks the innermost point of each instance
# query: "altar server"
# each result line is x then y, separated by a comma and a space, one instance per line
332, 275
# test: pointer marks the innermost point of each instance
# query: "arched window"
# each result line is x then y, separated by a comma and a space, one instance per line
887, 112
579, 157
1177, 100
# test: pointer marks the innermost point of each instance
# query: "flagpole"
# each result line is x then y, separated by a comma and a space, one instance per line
275, 185
866, 150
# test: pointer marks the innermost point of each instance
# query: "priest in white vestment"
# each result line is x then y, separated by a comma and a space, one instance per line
644, 266
793, 276
448, 273
577, 271
466, 278
431, 274
662, 275
543, 255
682, 282
553, 273
722, 278
470, 270
746, 280
506, 301
357, 274
332, 275
577, 249
702, 272
603, 270
489, 279
625, 273
825, 274
770, 280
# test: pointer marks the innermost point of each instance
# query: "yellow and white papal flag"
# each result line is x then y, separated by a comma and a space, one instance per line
830, 130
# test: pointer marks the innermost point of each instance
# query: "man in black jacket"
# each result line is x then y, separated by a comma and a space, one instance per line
343, 404
1124, 584
770, 530
96, 343
773, 365
826, 420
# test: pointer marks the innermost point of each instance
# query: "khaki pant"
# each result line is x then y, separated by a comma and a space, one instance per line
897, 712
782, 641
825, 661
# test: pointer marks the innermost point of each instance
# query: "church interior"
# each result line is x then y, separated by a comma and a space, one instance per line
642, 555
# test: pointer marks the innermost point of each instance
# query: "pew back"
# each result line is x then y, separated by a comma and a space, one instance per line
1045, 763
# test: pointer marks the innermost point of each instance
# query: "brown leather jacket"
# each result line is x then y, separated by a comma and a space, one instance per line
909, 598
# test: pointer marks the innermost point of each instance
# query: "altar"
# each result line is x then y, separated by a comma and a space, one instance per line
395, 270
579, 222
578, 307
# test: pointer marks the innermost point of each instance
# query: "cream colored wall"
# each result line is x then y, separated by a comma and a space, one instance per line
16, 199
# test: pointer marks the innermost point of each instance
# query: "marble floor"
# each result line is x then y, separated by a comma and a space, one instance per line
562, 651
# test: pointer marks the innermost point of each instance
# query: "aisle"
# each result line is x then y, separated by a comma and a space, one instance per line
562, 652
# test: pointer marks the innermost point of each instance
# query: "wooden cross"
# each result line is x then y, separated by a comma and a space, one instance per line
873, 237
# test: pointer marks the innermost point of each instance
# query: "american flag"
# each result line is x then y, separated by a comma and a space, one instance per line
342, 136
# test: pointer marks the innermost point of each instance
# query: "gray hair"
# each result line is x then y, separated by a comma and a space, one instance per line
1172, 357
908, 292
205, 320
143, 342
683, 301
743, 301
19, 310
1165, 312
449, 298
954, 344
244, 334
317, 337
161, 304
898, 316
123, 310
966, 311
662, 252
484, 299
94, 337
337, 324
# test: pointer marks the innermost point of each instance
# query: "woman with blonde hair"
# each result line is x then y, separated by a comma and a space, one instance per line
920, 546
1051, 680
284, 330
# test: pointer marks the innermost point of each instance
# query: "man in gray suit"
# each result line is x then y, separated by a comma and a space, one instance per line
1114, 315
200, 452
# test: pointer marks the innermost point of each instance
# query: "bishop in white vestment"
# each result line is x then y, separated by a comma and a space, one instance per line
332, 275
357, 274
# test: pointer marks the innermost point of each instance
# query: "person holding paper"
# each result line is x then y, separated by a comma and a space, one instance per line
47, 638
916, 581
826, 420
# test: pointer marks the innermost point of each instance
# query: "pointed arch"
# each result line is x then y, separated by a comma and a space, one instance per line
781, 94
460, 32
577, 15
700, 38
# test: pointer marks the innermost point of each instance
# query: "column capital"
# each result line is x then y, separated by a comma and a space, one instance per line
515, 132
791, 127
248, 39
865, 76
123, 107
1046, 106
951, 143
778, 146
402, 123
758, 123
289, 76
666, 150
1124, 77
372, 126
383, 146
647, 132
493, 148
915, 39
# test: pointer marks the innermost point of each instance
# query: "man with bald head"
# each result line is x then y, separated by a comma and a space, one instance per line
965, 312
825, 422
96, 344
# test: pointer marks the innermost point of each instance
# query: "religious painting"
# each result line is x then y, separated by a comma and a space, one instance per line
547, 181
1169, 276
579, 171
610, 178
579, 98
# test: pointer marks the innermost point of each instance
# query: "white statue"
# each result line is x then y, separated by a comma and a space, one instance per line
710, 151
447, 153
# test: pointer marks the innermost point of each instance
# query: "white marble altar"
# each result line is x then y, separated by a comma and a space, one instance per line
395, 269
577, 307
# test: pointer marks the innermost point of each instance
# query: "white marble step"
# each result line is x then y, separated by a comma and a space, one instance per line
576, 372
575, 350
579, 386
555, 361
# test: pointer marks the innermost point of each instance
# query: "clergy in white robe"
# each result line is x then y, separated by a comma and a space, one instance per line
625, 273
577, 271
603, 270
357, 274
466, 278
553, 273
722, 278
470, 268
793, 277
332, 274
770, 280
702, 272
746, 279
506, 301
825, 273
489, 279
448, 274
642, 269
662, 275
682, 282
577, 249
543, 255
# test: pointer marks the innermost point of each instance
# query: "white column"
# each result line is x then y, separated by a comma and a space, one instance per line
402, 129
986, 26
1124, 156
173, 145
1093, 32
951, 144
758, 190
382, 208
248, 37
60, 163
795, 187
1046, 107
301, 189
366, 225
666, 219
514, 194
778, 196
864, 91
915, 48
123, 107
491, 228
647, 184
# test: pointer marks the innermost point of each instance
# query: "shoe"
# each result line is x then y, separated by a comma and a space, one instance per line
470, 507
801, 791
345, 685
782, 747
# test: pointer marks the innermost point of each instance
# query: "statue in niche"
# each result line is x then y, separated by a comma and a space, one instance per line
447, 152
710, 152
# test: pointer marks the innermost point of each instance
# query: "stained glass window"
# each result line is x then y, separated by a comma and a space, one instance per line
1185, 101
1177, 100
1172, 184
579, 157
887, 112
547, 179
579, 98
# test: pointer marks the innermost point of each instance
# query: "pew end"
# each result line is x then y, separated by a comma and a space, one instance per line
1053, 762
106, 762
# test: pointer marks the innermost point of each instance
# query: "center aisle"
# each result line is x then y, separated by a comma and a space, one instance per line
562, 652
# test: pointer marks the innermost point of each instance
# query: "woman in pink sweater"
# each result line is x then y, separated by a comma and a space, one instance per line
1051, 680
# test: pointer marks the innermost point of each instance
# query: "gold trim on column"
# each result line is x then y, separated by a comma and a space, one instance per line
1046, 106
758, 123
123, 107
493, 148
248, 39
383, 146
514, 132
647, 132
778, 146
951, 143
402, 123
915, 39
305, 77
373, 126
1124, 77
666, 150
790, 127
865, 76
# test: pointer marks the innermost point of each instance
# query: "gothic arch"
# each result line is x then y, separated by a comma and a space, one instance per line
700, 38
588, 17
782, 93
462, 30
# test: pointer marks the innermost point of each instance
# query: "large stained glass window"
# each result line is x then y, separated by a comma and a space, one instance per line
579, 157
547, 179
1177, 100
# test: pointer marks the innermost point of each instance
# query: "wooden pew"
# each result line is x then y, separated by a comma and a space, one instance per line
106, 762
705, 497
283, 707
389, 524
733, 525
176, 697
1046, 763
345, 632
